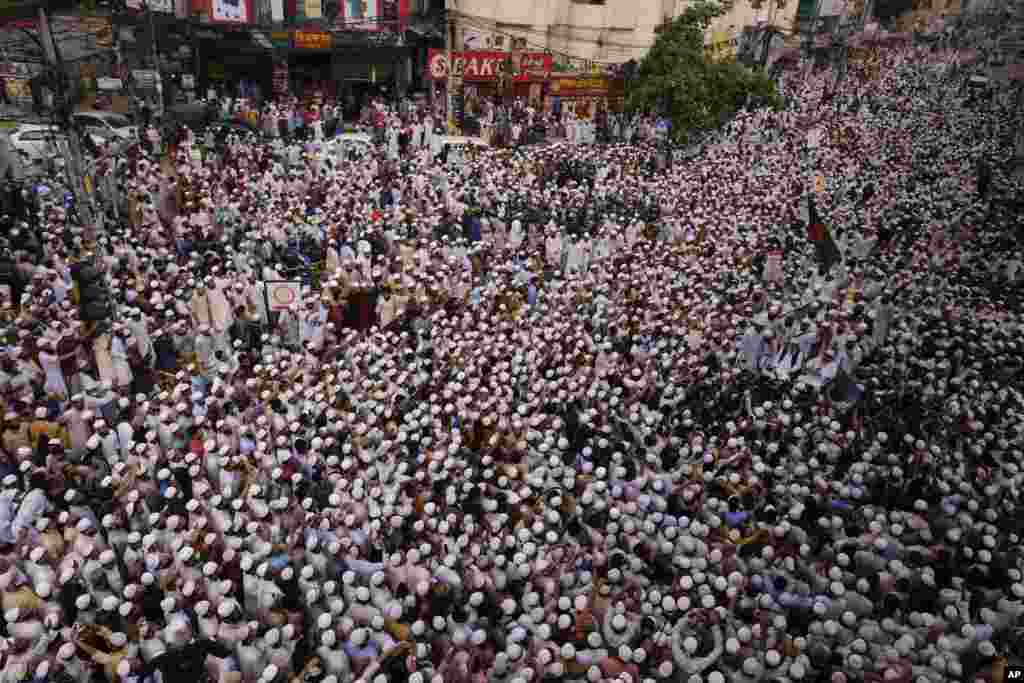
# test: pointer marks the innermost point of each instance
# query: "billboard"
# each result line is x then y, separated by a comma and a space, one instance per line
478, 65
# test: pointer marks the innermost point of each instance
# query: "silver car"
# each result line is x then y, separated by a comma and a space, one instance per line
106, 124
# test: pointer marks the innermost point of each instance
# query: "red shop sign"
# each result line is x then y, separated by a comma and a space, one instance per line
475, 65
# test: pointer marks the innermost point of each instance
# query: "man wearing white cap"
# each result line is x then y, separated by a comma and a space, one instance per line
76, 420
187, 662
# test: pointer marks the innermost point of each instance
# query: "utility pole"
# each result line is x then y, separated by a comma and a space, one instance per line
159, 84
73, 163
452, 81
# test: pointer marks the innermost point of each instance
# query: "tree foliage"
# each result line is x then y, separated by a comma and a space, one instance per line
676, 79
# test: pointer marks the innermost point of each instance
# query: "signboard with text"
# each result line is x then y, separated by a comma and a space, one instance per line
311, 40
473, 65
581, 87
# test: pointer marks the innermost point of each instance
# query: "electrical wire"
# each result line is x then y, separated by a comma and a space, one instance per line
490, 25
476, 21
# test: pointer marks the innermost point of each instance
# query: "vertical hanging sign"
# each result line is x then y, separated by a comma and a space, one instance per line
281, 78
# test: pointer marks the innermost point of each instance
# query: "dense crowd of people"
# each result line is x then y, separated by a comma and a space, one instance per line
413, 124
556, 413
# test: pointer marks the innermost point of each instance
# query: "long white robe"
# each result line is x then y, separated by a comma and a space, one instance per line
212, 309
516, 235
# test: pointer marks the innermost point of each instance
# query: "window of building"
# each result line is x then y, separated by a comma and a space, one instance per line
589, 2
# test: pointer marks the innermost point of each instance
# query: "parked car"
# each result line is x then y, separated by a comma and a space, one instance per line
38, 143
34, 142
106, 123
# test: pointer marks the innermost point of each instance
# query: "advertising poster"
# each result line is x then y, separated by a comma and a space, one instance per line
360, 15
231, 11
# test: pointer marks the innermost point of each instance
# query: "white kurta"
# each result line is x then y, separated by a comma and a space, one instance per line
55, 383
212, 309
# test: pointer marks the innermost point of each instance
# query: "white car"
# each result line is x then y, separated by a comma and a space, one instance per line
35, 142
106, 124
38, 142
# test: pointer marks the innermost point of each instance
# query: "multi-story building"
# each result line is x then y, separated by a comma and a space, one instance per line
600, 31
348, 48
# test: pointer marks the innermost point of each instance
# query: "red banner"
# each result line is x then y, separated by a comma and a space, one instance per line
477, 66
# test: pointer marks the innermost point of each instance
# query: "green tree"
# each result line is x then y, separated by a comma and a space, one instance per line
676, 79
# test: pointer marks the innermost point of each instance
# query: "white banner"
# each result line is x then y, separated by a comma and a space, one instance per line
283, 295
277, 11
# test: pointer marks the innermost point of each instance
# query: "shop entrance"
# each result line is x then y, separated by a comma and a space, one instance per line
357, 93
310, 74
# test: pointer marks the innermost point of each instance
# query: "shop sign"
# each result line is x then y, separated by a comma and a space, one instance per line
188, 81
580, 87
280, 38
311, 40
105, 83
474, 65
